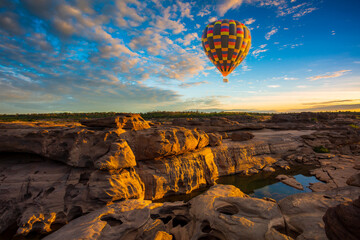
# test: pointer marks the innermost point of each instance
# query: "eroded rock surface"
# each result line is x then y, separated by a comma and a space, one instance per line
230, 214
303, 212
36, 193
76, 169
342, 221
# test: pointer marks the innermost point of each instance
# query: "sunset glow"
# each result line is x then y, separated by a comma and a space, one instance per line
139, 56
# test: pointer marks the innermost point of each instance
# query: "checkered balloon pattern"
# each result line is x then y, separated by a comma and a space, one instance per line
226, 43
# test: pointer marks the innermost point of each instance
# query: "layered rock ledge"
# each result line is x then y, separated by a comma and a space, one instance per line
52, 173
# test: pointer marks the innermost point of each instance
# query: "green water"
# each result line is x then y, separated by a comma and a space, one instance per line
259, 185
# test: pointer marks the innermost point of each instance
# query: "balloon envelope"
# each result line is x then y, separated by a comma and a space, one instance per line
226, 43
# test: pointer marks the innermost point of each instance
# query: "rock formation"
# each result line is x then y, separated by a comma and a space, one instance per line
92, 177
342, 221
291, 181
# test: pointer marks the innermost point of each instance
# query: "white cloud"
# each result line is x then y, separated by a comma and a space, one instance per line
197, 26
192, 84
225, 5
304, 12
9, 22
273, 86
212, 19
261, 49
301, 86
188, 38
245, 67
249, 21
204, 11
257, 52
333, 32
124, 11
286, 78
152, 41
263, 46
290, 78
272, 32
164, 23
185, 9
329, 75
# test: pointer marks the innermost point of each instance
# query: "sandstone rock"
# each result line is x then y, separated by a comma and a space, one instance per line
241, 136
283, 164
116, 221
236, 158
354, 180
161, 235
268, 169
74, 146
104, 149
125, 121
342, 221
303, 212
178, 174
224, 135
37, 193
290, 181
334, 172
215, 139
230, 214
150, 144
119, 156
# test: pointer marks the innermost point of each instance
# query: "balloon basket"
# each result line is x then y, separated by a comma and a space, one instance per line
225, 80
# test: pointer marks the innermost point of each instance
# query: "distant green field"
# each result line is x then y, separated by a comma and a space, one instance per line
148, 115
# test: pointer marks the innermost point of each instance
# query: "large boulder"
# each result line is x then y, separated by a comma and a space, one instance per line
342, 221
215, 139
241, 136
155, 143
179, 174
354, 180
119, 156
78, 147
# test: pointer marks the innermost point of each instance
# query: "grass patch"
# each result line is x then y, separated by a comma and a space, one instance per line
354, 126
321, 149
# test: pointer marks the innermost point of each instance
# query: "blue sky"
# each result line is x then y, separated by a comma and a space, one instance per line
138, 56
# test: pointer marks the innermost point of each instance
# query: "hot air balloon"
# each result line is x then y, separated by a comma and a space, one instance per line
226, 43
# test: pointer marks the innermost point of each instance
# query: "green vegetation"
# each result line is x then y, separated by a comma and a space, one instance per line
197, 114
321, 149
354, 126
149, 115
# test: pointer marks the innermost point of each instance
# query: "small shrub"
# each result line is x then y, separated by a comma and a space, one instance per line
354, 126
321, 149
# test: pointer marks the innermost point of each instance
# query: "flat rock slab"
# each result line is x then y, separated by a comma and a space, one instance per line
303, 212
290, 181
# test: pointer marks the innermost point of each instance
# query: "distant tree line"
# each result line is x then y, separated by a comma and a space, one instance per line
66, 116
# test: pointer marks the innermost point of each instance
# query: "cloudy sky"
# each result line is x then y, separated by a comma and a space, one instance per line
138, 56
